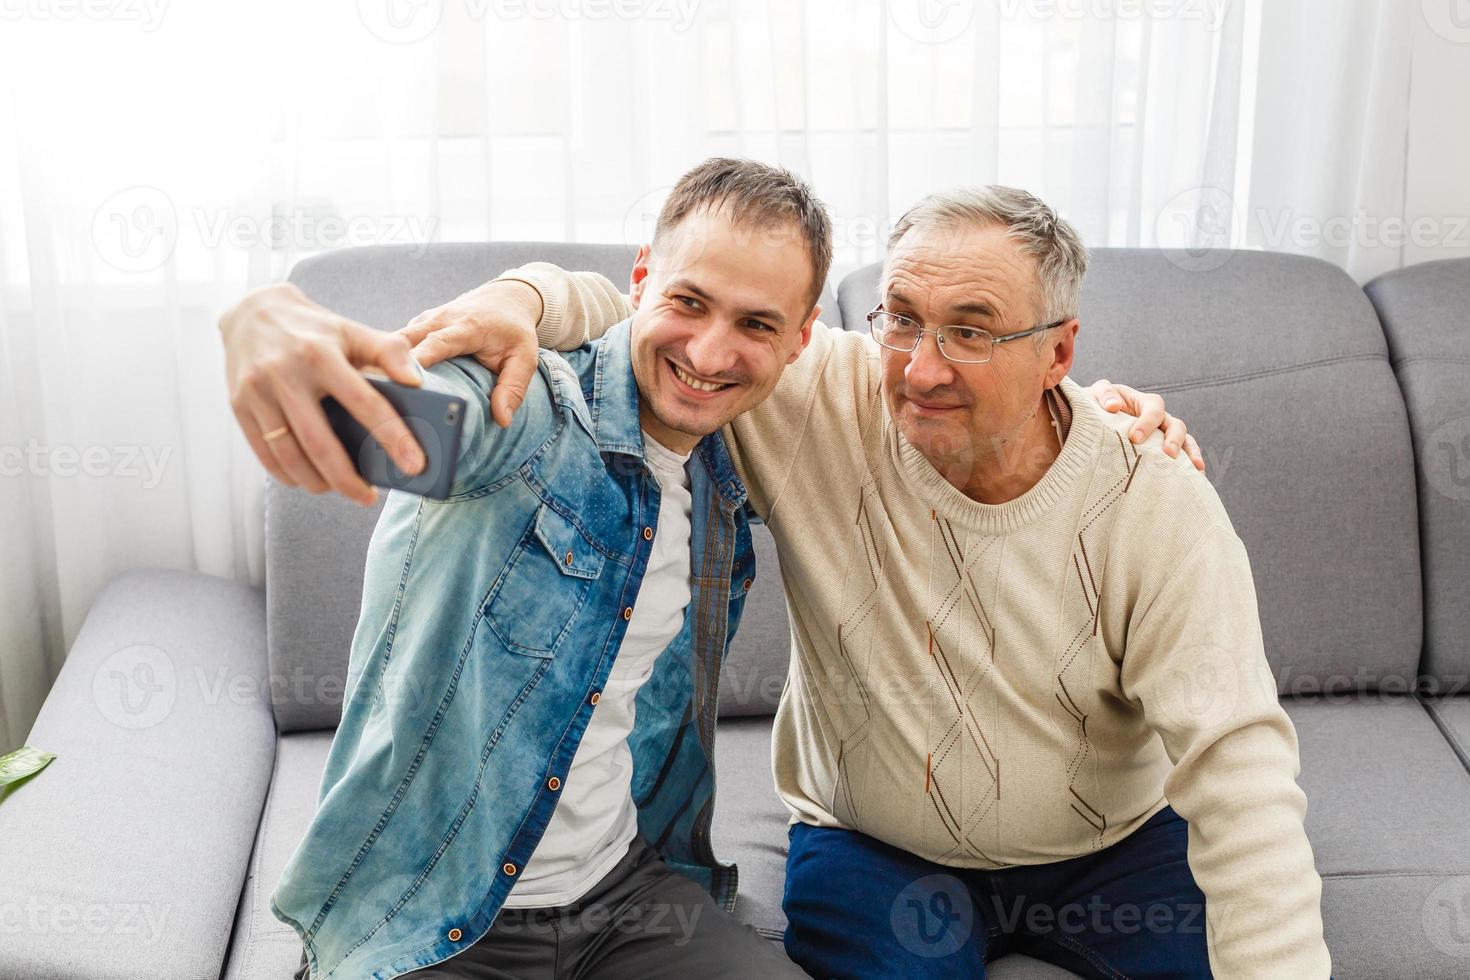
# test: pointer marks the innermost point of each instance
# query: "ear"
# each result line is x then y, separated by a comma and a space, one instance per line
806, 333
639, 278
1063, 350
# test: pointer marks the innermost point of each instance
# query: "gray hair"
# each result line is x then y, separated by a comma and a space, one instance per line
1061, 258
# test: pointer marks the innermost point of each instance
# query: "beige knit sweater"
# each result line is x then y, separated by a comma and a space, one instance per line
994, 685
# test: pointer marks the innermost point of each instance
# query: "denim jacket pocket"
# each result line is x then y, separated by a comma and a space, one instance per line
543, 586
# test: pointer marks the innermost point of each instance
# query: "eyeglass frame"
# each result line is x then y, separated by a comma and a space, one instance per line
939, 338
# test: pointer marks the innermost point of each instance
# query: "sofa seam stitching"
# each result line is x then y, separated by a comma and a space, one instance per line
1456, 745
1263, 373
1432, 358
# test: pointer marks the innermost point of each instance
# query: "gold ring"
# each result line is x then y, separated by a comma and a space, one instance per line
276, 433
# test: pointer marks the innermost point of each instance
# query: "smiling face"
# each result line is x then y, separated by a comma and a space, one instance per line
971, 420
721, 310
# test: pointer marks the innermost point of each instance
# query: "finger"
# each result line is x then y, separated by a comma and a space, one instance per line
1150, 412
320, 445
1106, 394
323, 453
516, 370
418, 328
269, 417
259, 446
366, 404
446, 342
1196, 455
388, 351
1174, 433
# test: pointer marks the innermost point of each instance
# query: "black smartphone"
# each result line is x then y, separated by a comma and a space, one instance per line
436, 421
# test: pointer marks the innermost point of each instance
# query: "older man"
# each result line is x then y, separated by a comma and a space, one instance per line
1028, 705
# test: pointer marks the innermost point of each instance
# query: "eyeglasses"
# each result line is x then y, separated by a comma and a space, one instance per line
961, 344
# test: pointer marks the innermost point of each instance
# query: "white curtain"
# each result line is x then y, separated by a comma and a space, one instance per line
158, 159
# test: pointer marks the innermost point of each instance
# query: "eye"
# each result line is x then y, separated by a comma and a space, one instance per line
759, 326
965, 334
689, 303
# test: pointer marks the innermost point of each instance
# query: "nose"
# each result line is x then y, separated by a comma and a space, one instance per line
927, 368
711, 351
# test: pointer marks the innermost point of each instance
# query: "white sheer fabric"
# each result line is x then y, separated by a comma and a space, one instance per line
158, 159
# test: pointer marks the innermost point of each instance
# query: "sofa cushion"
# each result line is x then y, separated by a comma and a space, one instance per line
1425, 311
263, 947
122, 858
1386, 804
1280, 367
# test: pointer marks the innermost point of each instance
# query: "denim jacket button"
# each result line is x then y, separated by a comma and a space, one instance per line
454, 935
747, 585
596, 697
509, 869
627, 612
553, 784
648, 534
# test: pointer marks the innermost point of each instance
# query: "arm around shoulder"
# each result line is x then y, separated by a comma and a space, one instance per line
577, 307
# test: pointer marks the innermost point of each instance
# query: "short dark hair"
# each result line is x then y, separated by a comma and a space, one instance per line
755, 195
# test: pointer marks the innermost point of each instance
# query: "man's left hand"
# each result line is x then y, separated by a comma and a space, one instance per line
1151, 417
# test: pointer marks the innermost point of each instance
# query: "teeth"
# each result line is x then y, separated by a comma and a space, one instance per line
695, 383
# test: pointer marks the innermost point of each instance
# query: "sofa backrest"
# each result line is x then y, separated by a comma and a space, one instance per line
316, 547
1425, 310
1280, 367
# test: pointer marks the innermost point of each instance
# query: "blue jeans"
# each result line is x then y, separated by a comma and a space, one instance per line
858, 908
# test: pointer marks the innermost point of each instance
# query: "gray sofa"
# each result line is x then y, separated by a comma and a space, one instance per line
193, 715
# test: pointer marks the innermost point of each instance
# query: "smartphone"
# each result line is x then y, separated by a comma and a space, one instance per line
436, 421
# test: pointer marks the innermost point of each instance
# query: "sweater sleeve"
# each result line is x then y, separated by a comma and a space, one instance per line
1196, 665
576, 307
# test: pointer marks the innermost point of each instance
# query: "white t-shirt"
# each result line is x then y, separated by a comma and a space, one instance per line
595, 819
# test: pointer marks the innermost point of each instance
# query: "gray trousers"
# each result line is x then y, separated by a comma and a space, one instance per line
642, 920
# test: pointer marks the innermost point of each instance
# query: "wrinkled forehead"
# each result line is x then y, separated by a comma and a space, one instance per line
947, 266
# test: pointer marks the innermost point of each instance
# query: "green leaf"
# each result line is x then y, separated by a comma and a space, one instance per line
24, 761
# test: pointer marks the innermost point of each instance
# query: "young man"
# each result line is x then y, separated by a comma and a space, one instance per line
1022, 641
522, 781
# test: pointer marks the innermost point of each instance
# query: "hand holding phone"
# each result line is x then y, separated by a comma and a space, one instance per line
436, 421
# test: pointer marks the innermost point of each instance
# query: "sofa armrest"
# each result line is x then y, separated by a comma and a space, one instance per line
124, 858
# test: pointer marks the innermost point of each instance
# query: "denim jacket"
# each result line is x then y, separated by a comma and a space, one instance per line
489, 624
